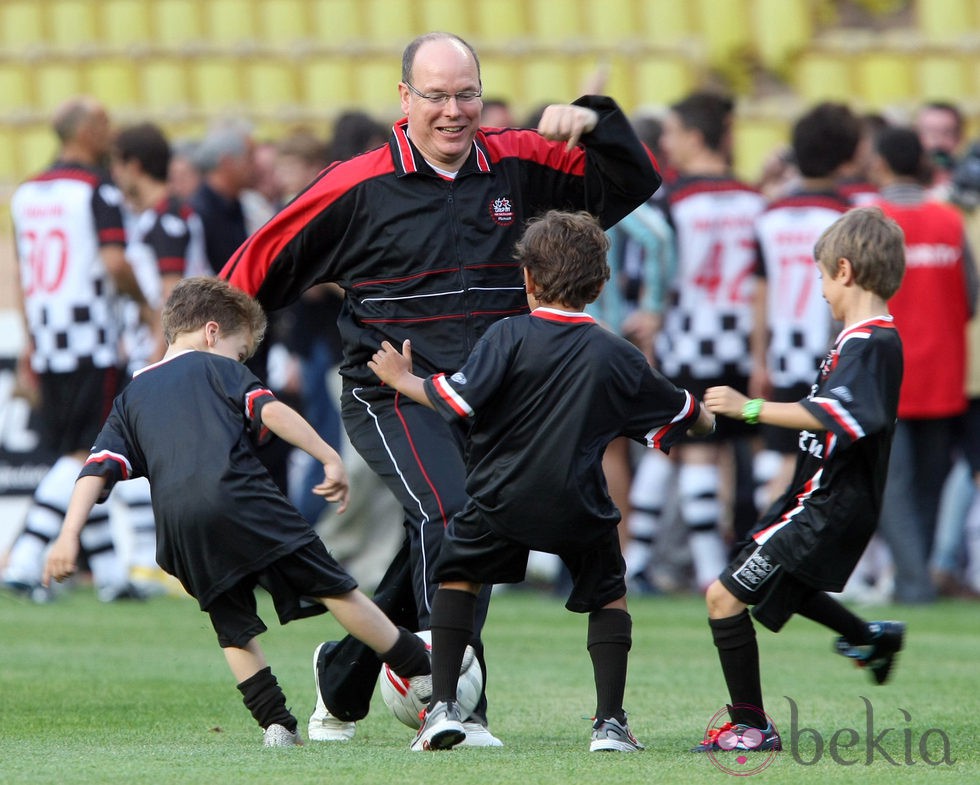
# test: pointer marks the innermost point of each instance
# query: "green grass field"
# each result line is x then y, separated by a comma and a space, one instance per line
139, 693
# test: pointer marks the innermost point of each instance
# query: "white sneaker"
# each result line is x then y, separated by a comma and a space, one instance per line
277, 736
323, 726
478, 735
441, 728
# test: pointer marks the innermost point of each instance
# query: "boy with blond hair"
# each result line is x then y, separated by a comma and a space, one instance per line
811, 538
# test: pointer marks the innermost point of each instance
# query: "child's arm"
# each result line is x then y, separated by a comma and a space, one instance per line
705, 423
731, 403
395, 369
63, 556
288, 424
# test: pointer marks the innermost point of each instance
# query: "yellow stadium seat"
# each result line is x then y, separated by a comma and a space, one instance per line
660, 79
21, 24
823, 75
610, 22
112, 80
163, 83
500, 22
36, 147
215, 82
338, 22
451, 15
500, 74
9, 169
177, 22
780, 28
327, 81
271, 83
125, 22
755, 138
666, 22
555, 21
55, 81
15, 87
229, 21
547, 79
389, 24
884, 78
946, 20
284, 21
724, 27
376, 81
943, 75
71, 23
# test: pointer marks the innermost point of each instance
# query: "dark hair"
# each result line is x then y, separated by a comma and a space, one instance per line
145, 143
902, 150
950, 108
198, 300
824, 138
302, 143
707, 112
355, 132
408, 56
565, 253
872, 242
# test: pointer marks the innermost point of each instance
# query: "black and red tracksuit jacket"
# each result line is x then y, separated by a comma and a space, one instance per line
431, 259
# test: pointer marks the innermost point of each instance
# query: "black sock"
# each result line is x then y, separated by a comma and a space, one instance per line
264, 697
609, 640
408, 656
824, 609
738, 650
452, 621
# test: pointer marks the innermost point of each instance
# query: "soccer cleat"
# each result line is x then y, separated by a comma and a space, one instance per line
442, 728
732, 737
610, 735
323, 726
878, 657
479, 735
277, 736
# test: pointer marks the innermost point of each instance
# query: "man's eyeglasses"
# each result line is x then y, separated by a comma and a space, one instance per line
463, 97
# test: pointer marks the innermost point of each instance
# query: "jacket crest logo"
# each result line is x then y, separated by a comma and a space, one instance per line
501, 211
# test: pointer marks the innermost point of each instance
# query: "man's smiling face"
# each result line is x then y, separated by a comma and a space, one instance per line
443, 132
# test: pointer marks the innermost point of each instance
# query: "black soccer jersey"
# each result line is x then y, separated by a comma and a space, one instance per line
821, 525
546, 393
188, 424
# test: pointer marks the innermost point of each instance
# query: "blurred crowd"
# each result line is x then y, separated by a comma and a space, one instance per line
713, 280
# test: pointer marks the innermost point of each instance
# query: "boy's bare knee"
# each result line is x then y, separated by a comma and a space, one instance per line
721, 602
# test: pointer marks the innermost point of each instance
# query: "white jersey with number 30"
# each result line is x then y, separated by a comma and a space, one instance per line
61, 219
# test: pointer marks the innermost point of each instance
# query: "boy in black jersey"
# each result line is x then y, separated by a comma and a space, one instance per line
189, 423
545, 393
809, 541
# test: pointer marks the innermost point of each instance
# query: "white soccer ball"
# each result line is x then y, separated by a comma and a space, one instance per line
405, 702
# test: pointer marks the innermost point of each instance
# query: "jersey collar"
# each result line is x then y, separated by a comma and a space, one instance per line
408, 160
562, 317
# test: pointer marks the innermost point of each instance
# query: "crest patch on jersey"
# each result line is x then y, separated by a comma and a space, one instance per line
501, 211
458, 377
172, 225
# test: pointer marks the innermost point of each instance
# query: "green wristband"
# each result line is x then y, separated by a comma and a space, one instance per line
751, 410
